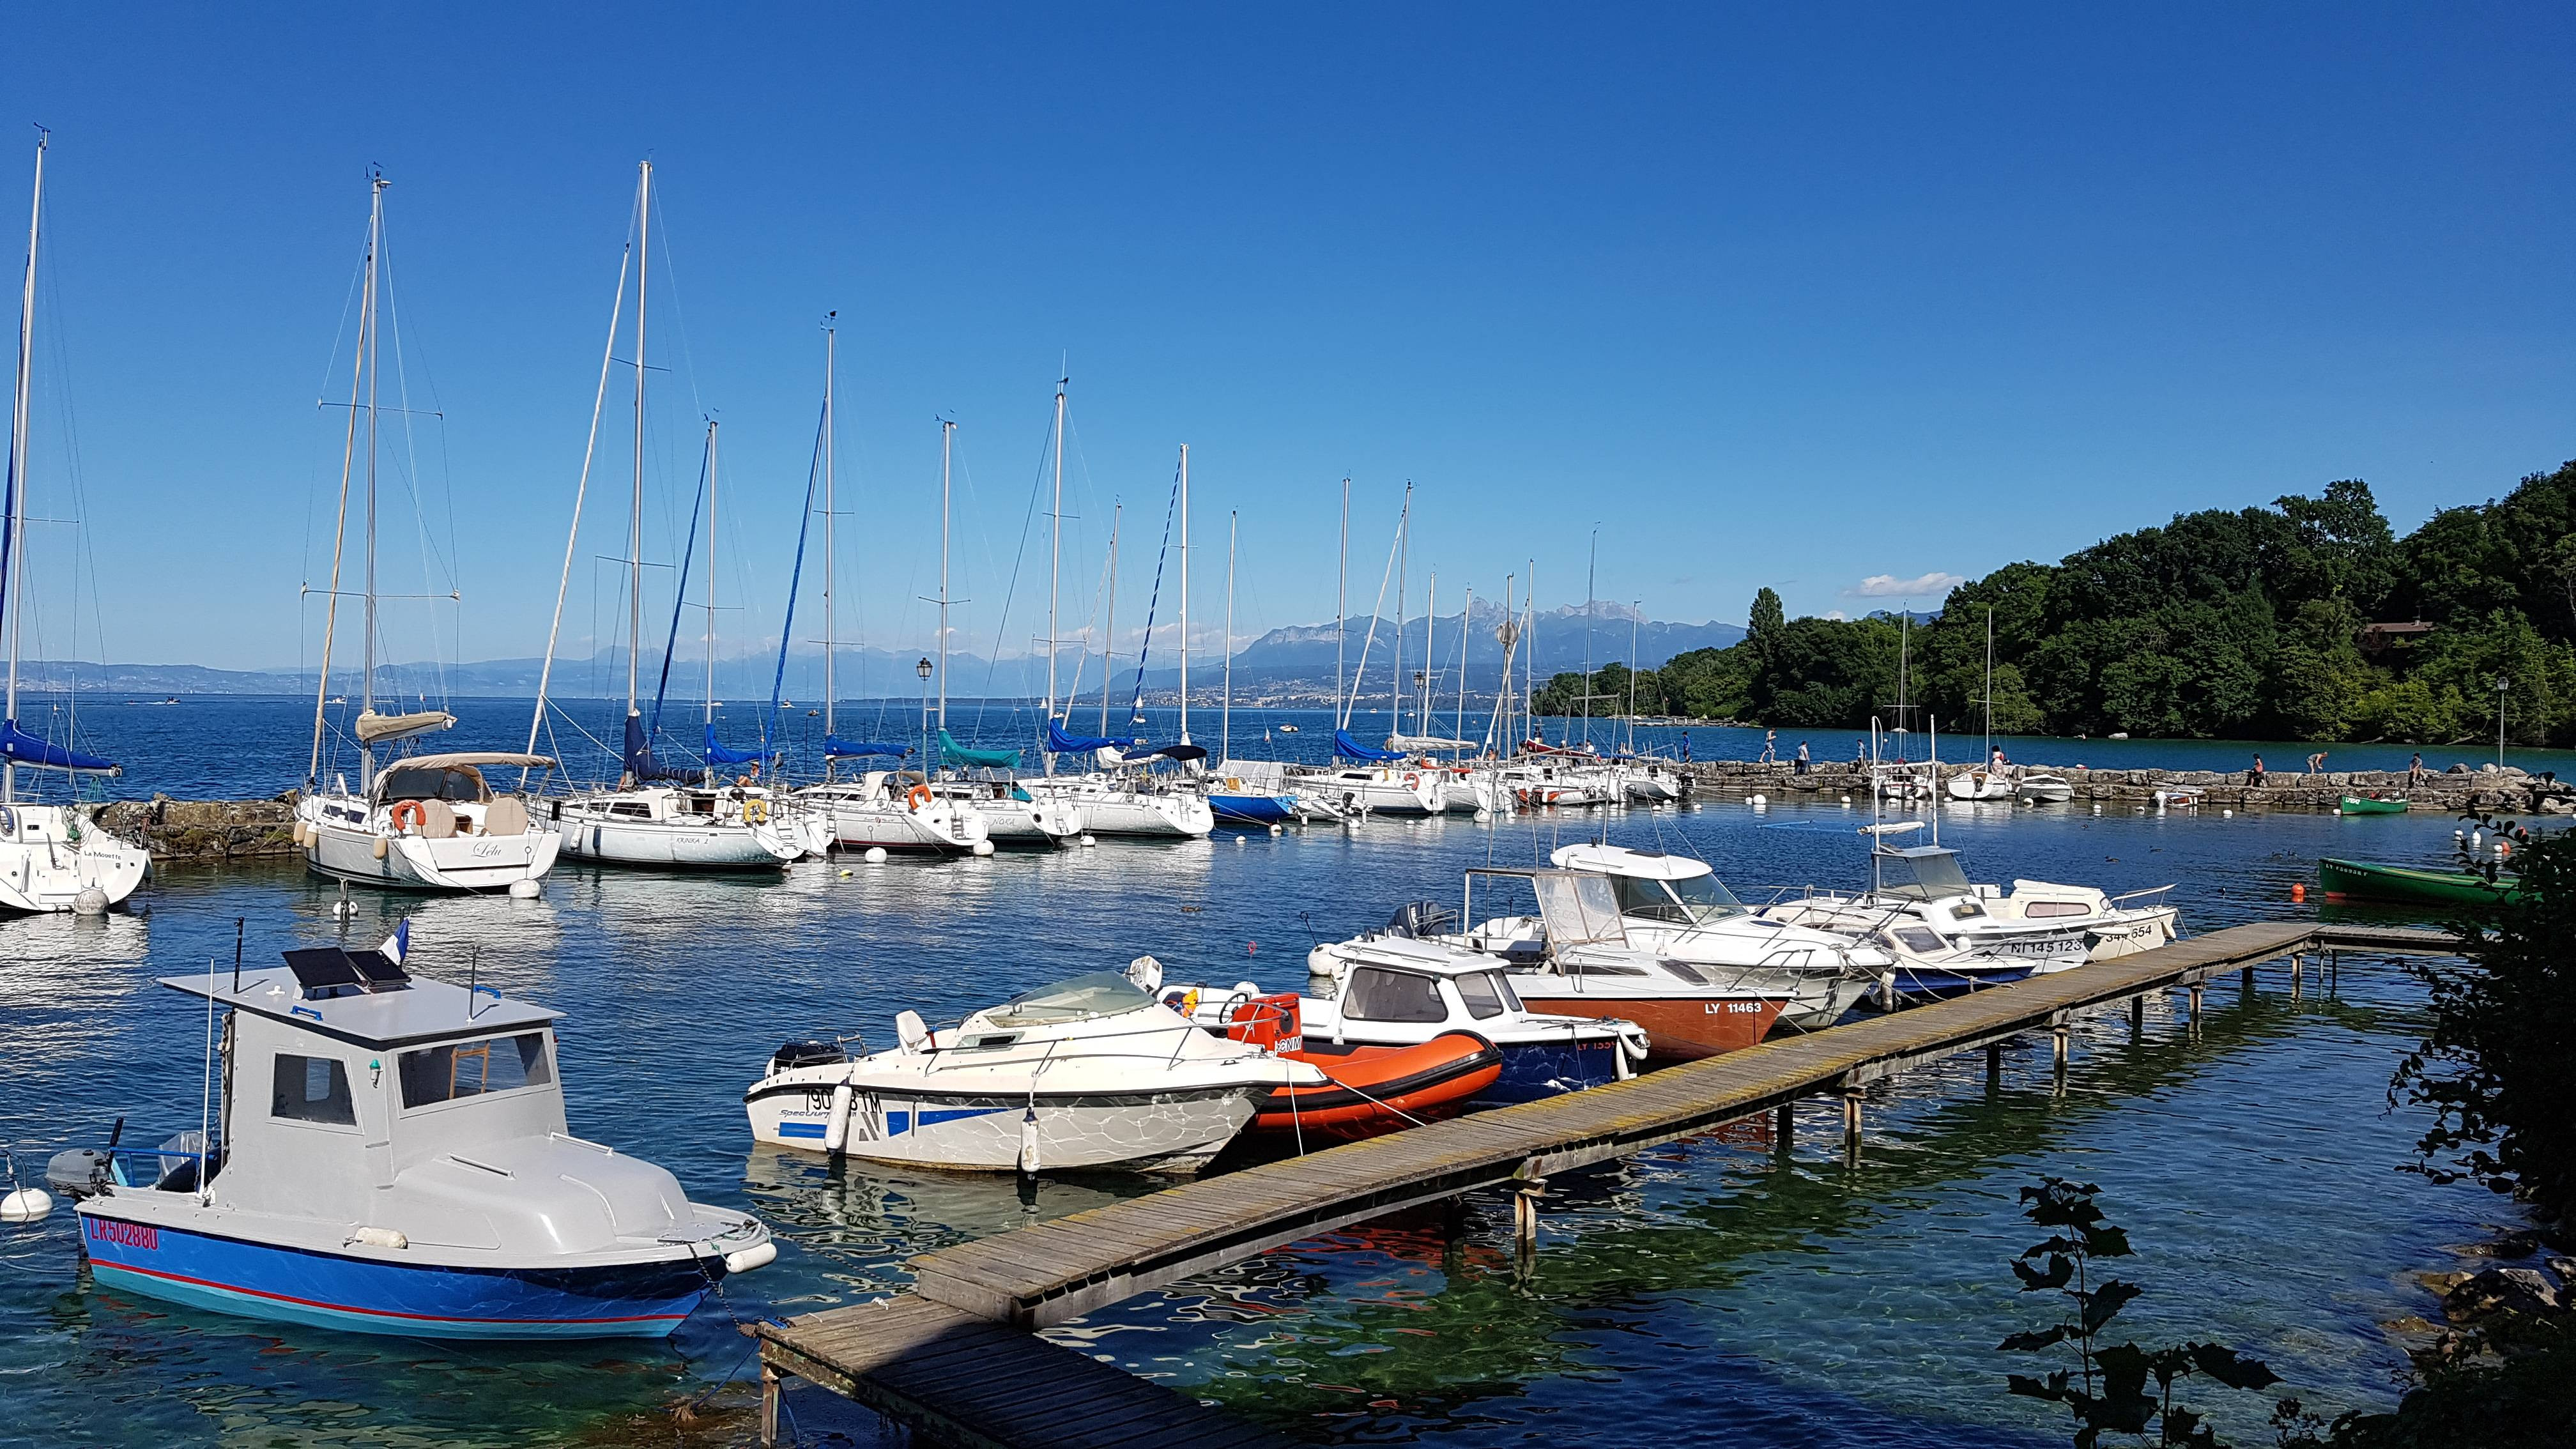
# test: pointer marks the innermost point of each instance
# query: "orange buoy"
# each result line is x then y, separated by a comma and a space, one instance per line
2298, 891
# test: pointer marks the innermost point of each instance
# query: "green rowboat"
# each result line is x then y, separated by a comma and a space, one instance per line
2422, 885
2364, 805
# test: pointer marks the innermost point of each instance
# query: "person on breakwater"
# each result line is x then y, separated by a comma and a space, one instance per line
1770, 748
2317, 763
2415, 770
1802, 757
1860, 754
2254, 776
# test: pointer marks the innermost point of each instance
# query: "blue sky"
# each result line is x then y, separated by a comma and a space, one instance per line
1792, 299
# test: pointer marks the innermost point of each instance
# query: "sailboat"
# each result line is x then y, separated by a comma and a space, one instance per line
1121, 798
1362, 778
423, 822
1985, 782
657, 817
1238, 796
880, 809
50, 855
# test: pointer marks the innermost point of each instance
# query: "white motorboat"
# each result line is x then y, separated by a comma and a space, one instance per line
2041, 788
1926, 885
897, 810
1648, 782
392, 1155
1397, 992
427, 822
674, 827
50, 854
1677, 908
1930, 967
1090, 1072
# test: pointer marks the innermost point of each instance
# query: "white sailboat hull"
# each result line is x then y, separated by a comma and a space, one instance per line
341, 839
676, 844
43, 868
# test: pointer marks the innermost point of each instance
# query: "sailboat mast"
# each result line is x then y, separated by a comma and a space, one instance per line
947, 432
1185, 593
1591, 577
1465, 617
712, 514
1341, 609
1430, 610
1109, 619
1225, 710
375, 255
17, 550
1640, 612
1395, 690
635, 515
831, 345
1055, 553
1990, 687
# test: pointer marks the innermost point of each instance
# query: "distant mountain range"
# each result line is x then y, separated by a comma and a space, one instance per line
1287, 663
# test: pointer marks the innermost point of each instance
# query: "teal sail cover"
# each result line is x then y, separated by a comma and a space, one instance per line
953, 753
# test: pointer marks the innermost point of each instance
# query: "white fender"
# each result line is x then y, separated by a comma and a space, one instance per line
1029, 1142
836, 1132
743, 1260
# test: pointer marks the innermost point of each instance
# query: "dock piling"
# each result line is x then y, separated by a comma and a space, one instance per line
2194, 1008
2137, 1019
769, 1391
1994, 1069
1851, 1125
2059, 1043
1784, 1127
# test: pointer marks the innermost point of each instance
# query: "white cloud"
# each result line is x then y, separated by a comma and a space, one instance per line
1931, 587
1836, 614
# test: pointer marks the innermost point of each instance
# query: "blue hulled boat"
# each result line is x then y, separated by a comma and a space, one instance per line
393, 1157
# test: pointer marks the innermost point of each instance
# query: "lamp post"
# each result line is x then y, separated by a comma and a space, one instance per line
923, 669
2501, 684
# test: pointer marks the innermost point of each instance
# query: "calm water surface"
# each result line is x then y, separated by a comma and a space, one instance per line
1726, 1290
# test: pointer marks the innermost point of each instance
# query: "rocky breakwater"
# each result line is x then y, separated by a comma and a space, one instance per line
176, 830
2509, 791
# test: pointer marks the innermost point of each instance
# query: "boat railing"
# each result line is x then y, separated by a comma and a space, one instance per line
1126, 1045
2156, 894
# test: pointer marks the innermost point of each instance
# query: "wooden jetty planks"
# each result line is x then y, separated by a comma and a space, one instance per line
967, 1380
950, 1358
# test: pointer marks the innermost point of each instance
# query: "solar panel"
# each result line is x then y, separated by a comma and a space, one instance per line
319, 968
380, 971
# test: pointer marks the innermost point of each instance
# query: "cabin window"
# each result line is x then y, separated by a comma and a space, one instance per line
631, 809
1376, 995
457, 783
470, 1069
2056, 908
1915, 938
1487, 994
311, 1089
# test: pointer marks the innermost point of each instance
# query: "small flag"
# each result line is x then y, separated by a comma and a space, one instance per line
399, 943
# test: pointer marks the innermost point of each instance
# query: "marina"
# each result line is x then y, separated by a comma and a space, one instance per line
633, 810
848, 1232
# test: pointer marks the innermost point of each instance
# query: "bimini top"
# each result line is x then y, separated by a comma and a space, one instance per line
353, 1000
470, 757
1636, 864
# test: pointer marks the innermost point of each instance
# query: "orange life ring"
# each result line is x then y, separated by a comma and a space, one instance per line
417, 814
1413, 782
917, 797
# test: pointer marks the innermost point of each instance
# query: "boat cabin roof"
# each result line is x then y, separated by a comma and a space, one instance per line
388, 1014
1429, 957
1620, 860
1935, 872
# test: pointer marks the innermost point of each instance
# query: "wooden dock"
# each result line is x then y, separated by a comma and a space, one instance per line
953, 1358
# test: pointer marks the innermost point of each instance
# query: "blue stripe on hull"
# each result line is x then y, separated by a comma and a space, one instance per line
1257, 809
1914, 981
327, 1290
1533, 1070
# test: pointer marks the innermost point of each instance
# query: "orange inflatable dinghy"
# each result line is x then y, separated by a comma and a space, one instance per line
1374, 1089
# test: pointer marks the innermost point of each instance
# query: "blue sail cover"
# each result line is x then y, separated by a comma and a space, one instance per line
718, 754
1350, 749
841, 749
1060, 743
1182, 753
22, 748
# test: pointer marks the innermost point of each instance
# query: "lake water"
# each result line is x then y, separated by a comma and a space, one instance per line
1720, 1291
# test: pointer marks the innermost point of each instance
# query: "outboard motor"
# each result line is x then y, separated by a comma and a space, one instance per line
1417, 919
79, 1172
807, 1054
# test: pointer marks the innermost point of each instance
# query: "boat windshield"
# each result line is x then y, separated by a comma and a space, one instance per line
1924, 873
1099, 993
1694, 901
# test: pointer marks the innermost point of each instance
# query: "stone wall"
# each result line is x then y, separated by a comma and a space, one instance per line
2510, 791
203, 829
